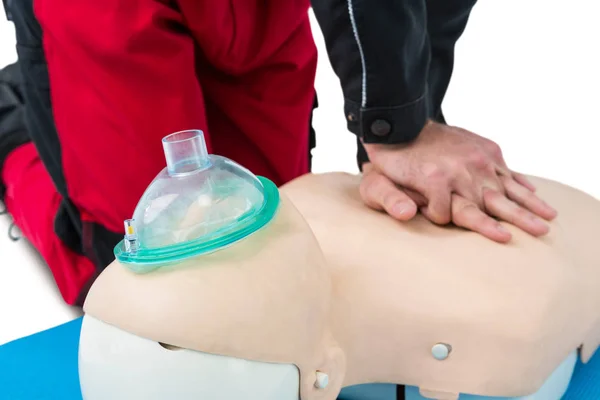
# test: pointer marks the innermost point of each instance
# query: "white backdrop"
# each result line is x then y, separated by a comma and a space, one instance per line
527, 75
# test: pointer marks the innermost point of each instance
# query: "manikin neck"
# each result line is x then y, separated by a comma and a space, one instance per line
153, 371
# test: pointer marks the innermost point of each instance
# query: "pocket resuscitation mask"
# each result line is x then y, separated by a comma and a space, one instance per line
198, 204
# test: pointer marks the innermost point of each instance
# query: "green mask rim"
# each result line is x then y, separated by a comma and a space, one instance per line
147, 260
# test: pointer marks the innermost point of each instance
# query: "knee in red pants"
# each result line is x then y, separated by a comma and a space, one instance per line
33, 201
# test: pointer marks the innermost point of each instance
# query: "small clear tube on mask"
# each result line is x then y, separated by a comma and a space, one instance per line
185, 152
131, 237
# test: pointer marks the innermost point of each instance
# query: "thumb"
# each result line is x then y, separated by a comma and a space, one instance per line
380, 193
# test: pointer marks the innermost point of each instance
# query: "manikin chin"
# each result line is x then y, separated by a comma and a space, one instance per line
331, 294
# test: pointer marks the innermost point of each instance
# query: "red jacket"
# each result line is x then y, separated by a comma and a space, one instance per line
123, 74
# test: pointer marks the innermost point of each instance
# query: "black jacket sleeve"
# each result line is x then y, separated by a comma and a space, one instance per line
380, 51
6, 4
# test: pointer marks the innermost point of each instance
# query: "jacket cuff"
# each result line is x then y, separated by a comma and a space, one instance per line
387, 125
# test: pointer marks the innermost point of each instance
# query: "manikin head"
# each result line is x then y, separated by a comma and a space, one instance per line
253, 302
207, 305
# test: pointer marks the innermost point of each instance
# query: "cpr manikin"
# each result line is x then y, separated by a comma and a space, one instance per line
225, 288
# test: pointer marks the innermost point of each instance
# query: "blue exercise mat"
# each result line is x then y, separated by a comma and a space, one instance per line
585, 384
44, 367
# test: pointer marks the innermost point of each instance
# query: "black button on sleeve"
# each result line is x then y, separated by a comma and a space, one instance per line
393, 125
381, 127
387, 125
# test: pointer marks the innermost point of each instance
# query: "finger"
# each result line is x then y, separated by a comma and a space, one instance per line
500, 206
522, 180
527, 199
438, 209
379, 193
468, 215
418, 198
469, 184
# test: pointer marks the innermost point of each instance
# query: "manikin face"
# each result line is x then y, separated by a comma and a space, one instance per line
249, 321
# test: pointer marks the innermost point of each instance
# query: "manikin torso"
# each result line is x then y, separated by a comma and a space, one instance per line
333, 287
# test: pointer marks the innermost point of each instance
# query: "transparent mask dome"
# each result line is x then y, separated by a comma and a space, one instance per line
198, 204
